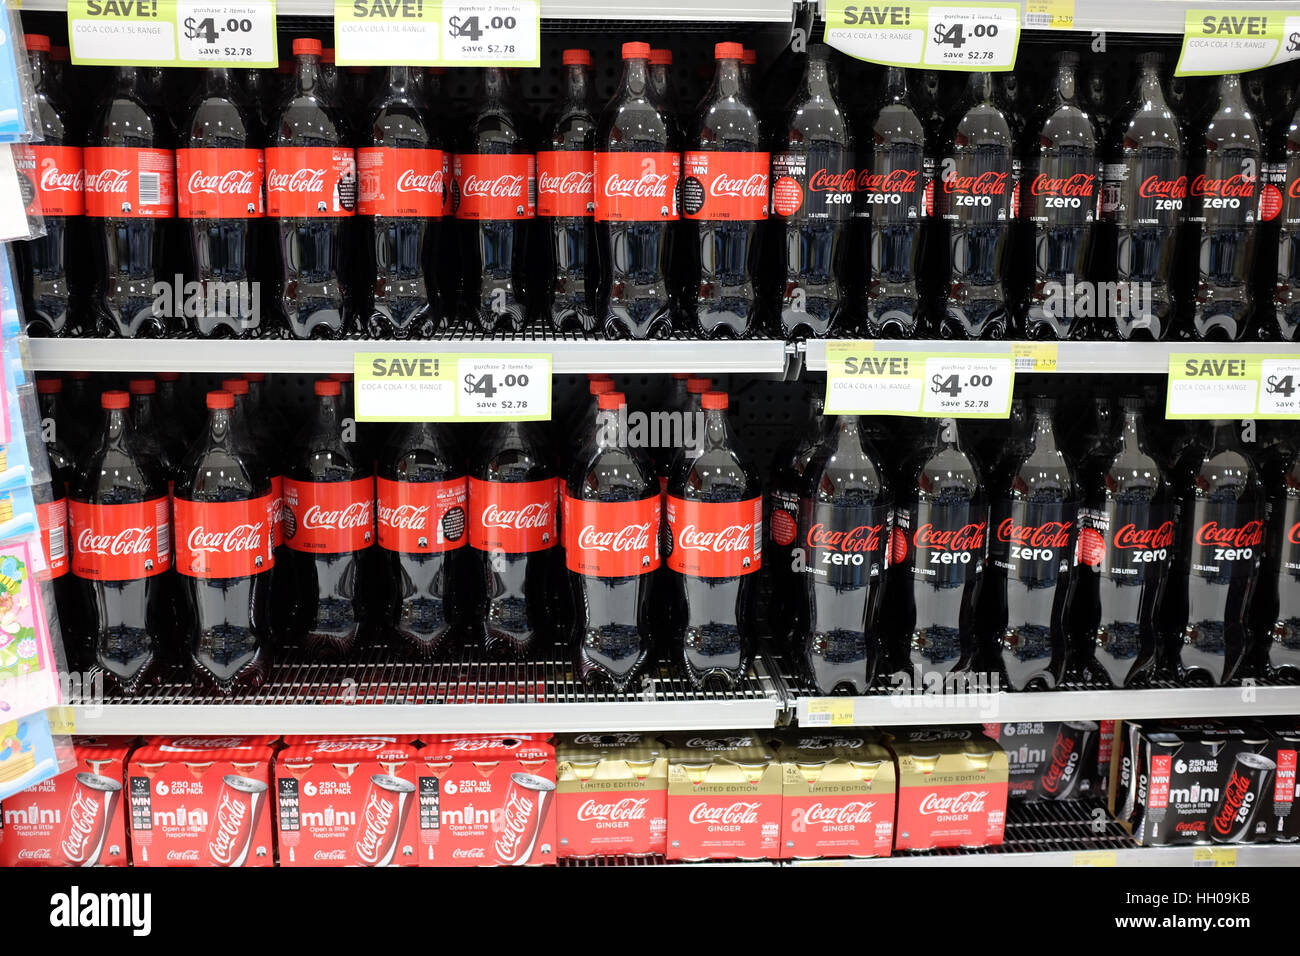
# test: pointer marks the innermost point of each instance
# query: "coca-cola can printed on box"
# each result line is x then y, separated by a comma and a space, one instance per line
73, 819
230, 834
951, 793
1050, 760
612, 796
724, 802
378, 833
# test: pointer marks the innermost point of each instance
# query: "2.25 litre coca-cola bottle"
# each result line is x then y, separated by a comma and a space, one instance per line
119, 517
1278, 600
223, 519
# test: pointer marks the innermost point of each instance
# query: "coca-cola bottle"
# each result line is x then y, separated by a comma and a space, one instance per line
513, 533
637, 168
566, 200
1225, 201
1124, 553
220, 200
846, 519
660, 75
495, 192
223, 513
328, 516
714, 510
812, 201
1278, 600
152, 438
976, 197
399, 202
1027, 581
53, 518
311, 195
1219, 548
130, 197
1059, 207
611, 550
47, 269
578, 432
889, 201
724, 201
1143, 195
1286, 285
939, 553
449, 117
421, 499
119, 517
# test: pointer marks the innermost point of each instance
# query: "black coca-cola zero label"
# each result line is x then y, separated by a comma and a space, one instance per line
1147, 189
891, 189
1226, 194
1063, 191
1226, 538
945, 545
1127, 543
1034, 541
847, 545
817, 184
976, 188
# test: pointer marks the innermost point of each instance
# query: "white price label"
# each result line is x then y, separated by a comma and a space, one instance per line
108, 41
387, 32
1279, 394
404, 387
956, 386
873, 384
1212, 398
484, 32
504, 388
226, 33
973, 37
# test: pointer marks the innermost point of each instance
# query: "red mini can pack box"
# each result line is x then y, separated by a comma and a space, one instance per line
612, 796
486, 801
201, 801
346, 802
724, 798
952, 789
77, 818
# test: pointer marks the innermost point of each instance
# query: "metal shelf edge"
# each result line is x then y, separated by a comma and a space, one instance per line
1143, 856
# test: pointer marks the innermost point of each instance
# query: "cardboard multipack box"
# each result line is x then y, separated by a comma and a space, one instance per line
1054, 760
952, 788
612, 795
724, 797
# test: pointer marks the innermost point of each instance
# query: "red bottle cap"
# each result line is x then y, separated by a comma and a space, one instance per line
143, 386
661, 57
714, 400
235, 386
728, 51
698, 386
325, 386
748, 57
49, 386
115, 399
611, 401
168, 376
221, 400
577, 58
306, 46
636, 51
37, 41
599, 386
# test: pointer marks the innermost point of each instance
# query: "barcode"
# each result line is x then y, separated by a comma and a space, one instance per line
532, 190
57, 546
818, 720
1038, 20
1025, 363
164, 538
150, 189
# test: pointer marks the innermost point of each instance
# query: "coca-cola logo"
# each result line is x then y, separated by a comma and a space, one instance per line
968, 801
1235, 792
206, 743
634, 537
1062, 752
514, 823
244, 537
231, 812
325, 856
1248, 535
42, 853
1294, 534
1078, 184
1145, 539
1236, 186
83, 821
537, 514
860, 540
1293, 188
129, 541
354, 515
718, 743
1153, 187
729, 540
509, 185
825, 181
740, 812
406, 517
990, 183
299, 181
894, 181
235, 182
182, 856
1049, 534
573, 183
468, 853
608, 740
351, 743
969, 537
54, 179
624, 810
746, 187
853, 812
412, 182
650, 185
108, 181
377, 815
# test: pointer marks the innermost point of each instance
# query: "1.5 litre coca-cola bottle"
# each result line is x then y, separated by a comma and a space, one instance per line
48, 270
637, 168
1027, 581
513, 533
976, 197
1278, 600
846, 518
611, 549
1225, 198
939, 552
566, 199
1124, 553
130, 200
1144, 194
223, 516
1219, 549
714, 511
311, 195
496, 203
220, 203
119, 516
328, 516
724, 202
812, 201
1059, 207
399, 205
889, 199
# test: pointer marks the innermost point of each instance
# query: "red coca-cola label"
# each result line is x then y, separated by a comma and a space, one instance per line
637, 187
120, 542
422, 517
57, 176
715, 539
496, 187
310, 181
513, 517
227, 539
836, 824
951, 815
400, 182
53, 519
220, 183
329, 517
123, 182
1236, 186
724, 825
1049, 534
565, 183
1249, 535
725, 186
611, 539
1153, 187
612, 822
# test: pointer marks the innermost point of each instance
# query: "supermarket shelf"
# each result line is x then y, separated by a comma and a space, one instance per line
756, 11
569, 355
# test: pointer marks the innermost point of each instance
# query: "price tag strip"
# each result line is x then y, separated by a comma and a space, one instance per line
421, 386
862, 381
1234, 41
1208, 386
942, 36
830, 712
437, 32
197, 33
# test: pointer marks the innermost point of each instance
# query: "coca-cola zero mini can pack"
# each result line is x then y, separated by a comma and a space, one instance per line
1054, 760
612, 795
